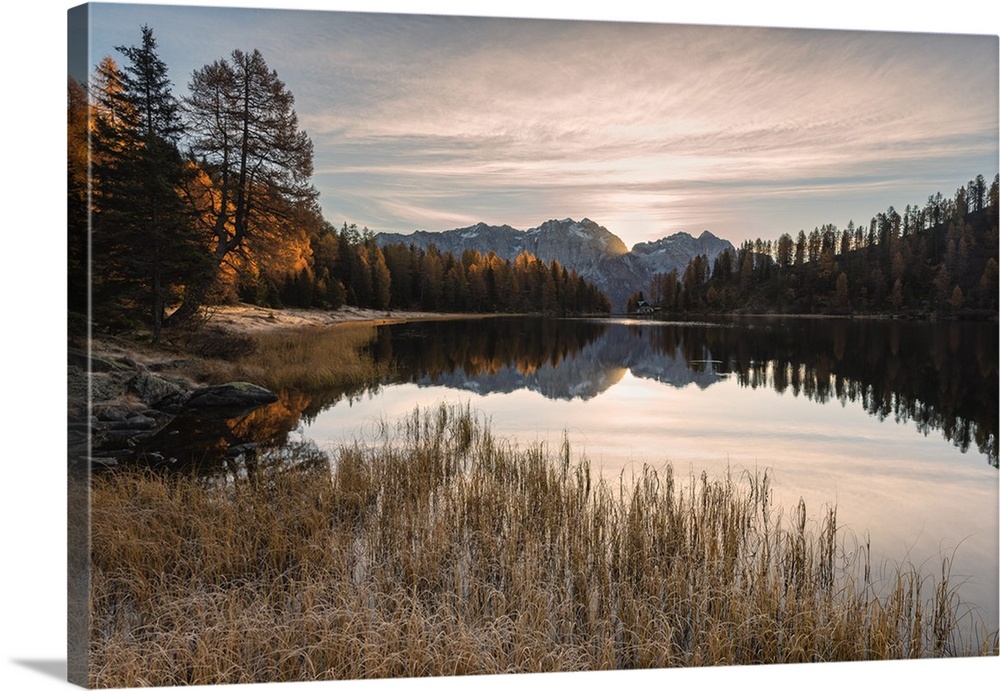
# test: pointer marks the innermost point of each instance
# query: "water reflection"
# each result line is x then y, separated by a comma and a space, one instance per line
941, 378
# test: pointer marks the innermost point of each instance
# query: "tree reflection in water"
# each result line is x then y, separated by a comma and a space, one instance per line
941, 377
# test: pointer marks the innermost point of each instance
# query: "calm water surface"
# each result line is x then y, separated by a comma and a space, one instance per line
895, 423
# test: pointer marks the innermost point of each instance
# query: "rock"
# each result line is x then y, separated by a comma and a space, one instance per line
172, 404
107, 386
241, 449
128, 412
121, 438
114, 415
77, 437
86, 361
110, 413
152, 389
229, 399
115, 455
135, 422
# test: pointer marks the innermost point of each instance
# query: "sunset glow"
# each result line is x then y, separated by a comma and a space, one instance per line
437, 122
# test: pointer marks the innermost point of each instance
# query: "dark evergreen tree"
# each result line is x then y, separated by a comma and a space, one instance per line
146, 247
78, 197
901, 264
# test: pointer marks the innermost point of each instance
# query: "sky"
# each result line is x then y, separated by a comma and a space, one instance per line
436, 122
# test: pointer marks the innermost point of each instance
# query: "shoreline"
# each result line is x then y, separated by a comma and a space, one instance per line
251, 319
173, 364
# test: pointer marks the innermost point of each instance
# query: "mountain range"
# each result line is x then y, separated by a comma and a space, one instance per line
590, 249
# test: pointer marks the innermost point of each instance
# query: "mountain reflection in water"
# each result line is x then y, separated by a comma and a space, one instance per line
940, 377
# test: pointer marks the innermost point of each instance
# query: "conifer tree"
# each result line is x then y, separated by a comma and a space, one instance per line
246, 138
78, 201
146, 247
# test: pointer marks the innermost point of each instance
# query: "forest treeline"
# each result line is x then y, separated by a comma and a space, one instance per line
175, 203
349, 267
938, 259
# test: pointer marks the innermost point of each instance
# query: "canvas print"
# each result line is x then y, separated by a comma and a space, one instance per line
407, 345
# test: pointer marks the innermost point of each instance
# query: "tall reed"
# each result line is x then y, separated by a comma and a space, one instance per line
306, 360
438, 549
313, 360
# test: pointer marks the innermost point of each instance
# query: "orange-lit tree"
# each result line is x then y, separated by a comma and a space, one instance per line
245, 138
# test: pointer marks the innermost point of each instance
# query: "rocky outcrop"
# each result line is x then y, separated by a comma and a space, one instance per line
131, 407
228, 400
676, 251
152, 389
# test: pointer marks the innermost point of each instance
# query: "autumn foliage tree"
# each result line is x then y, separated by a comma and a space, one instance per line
78, 196
245, 138
349, 266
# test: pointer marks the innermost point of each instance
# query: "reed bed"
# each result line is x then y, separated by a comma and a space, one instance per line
313, 359
438, 549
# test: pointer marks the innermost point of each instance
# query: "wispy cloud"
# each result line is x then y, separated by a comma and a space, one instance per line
431, 121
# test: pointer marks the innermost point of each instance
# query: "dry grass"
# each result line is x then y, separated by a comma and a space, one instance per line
440, 550
310, 359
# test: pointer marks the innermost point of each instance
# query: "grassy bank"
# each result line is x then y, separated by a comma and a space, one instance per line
308, 360
439, 550
303, 359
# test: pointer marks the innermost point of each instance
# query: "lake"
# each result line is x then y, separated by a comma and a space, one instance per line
893, 422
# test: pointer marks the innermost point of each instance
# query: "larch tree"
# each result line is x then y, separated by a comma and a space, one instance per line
245, 137
381, 278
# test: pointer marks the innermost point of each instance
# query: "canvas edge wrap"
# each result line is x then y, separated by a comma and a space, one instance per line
78, 435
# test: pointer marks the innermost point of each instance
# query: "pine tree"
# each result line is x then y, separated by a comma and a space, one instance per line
842, 296
78, 200
146, 246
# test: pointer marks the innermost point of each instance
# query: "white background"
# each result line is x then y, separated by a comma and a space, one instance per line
32, 253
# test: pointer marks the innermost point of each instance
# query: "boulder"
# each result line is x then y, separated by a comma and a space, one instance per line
114, 415
107, 386
172, 404
91, 363
134, 422
228, 400
151, 389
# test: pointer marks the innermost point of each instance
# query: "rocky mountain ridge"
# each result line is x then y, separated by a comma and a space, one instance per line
592, 250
